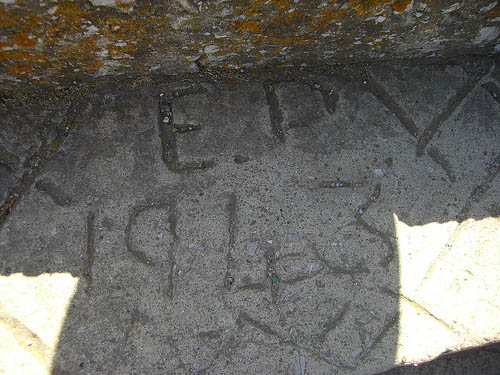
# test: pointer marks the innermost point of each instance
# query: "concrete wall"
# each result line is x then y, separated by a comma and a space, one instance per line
51, 42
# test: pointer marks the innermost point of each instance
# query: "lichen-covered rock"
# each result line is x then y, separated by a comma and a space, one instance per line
53, 41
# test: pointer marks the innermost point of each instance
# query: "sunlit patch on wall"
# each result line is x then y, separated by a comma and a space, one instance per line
32, 313
449, 293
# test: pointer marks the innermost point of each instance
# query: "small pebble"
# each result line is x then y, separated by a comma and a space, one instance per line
313, 268
240, 159
196, 246
378, 172
355, 354
302, 361
252, 248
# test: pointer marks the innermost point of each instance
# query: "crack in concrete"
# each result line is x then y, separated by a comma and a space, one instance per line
186, 128
171, 206
173, 219
390, 322
58, 196
361, 222
333, 322
478, 192
301, 278
444, 251
335, 270
328, 94
440, 159
271, 273
253, 286
33, 165
378, 90
418, 307
338, 184
493, 89
273, 280
243, 318
25, 337
91, 252
169, 131
475, 73
8, 159
275, 113
232, 217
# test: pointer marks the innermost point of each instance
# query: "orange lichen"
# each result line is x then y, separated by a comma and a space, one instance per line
275, 51
5, 45
250, 25
7, 17
92, 64
428, 27
54, 68
80, 50
120, 51
282, 4
19, 69
15, 55
236, 63
218, 41
400, 5
24, 40
493, 13
367, 7
234, 48
287, 18
253, 8
71, 9
123, 5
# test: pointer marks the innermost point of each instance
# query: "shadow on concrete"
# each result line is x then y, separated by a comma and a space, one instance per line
246, 228
483, 360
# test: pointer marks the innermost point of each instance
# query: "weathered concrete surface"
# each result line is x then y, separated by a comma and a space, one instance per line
58, 42
342, 224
